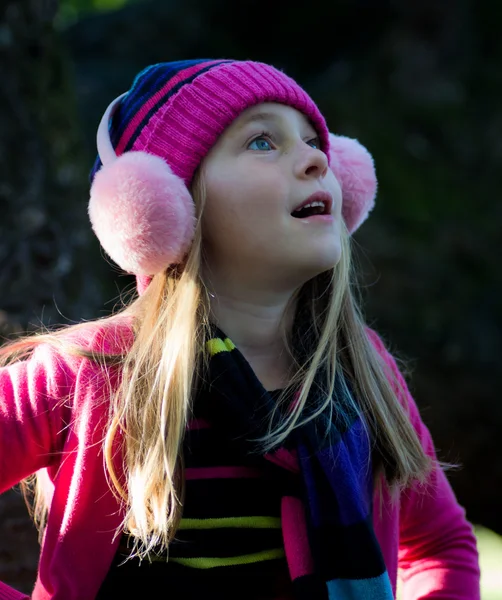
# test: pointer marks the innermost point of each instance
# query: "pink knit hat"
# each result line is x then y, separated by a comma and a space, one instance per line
152, 139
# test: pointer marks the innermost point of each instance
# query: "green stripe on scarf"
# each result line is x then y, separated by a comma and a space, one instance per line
241, 522
217, 345
209, 563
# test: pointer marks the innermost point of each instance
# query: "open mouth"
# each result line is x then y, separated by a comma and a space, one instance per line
318, 204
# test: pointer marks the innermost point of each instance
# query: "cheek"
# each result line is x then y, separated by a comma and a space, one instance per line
238, 202
221, 208
336, 191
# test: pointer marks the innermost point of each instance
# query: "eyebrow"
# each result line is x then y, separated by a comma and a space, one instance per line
259, 116
266, 116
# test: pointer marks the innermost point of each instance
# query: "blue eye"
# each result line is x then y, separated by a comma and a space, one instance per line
261, 143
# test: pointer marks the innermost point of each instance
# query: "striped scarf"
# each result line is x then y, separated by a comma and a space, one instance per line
329, 541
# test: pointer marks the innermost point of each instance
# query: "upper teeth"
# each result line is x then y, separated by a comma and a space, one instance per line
315, 203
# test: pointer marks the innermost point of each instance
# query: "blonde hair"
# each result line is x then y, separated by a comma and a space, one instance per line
151, 406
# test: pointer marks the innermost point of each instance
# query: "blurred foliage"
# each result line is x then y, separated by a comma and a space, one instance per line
490, 555
46, 268
70, 11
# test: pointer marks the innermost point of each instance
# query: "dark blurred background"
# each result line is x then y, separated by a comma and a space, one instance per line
418, 83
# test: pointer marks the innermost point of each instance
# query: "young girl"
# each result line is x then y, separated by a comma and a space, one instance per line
236, 431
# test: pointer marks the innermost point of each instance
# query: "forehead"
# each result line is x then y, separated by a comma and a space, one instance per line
270, 112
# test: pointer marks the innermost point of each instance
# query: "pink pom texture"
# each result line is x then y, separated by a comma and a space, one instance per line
353, 166
142, 213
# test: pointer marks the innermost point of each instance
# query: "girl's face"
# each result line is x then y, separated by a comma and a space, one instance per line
265, 165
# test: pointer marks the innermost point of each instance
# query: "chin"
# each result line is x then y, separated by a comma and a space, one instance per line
328, 259
320, 265
326, 266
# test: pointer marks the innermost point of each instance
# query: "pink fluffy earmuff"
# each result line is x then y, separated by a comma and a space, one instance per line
144, 216
354, 168
141, 212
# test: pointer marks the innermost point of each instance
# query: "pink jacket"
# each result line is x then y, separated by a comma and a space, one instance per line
52, 412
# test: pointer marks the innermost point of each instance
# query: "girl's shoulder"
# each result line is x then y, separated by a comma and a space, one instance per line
382, 349
112, 336
378, 343
77, 352
395, 376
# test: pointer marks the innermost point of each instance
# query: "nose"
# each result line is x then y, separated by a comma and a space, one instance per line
312, 163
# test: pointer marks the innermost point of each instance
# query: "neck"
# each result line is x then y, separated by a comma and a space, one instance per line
257, 316
254, 322
256, 325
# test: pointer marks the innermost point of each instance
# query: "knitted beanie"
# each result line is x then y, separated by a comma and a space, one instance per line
152, 139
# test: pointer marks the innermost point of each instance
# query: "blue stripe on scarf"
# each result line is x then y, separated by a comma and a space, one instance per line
349, 473
374, 588
346, 466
